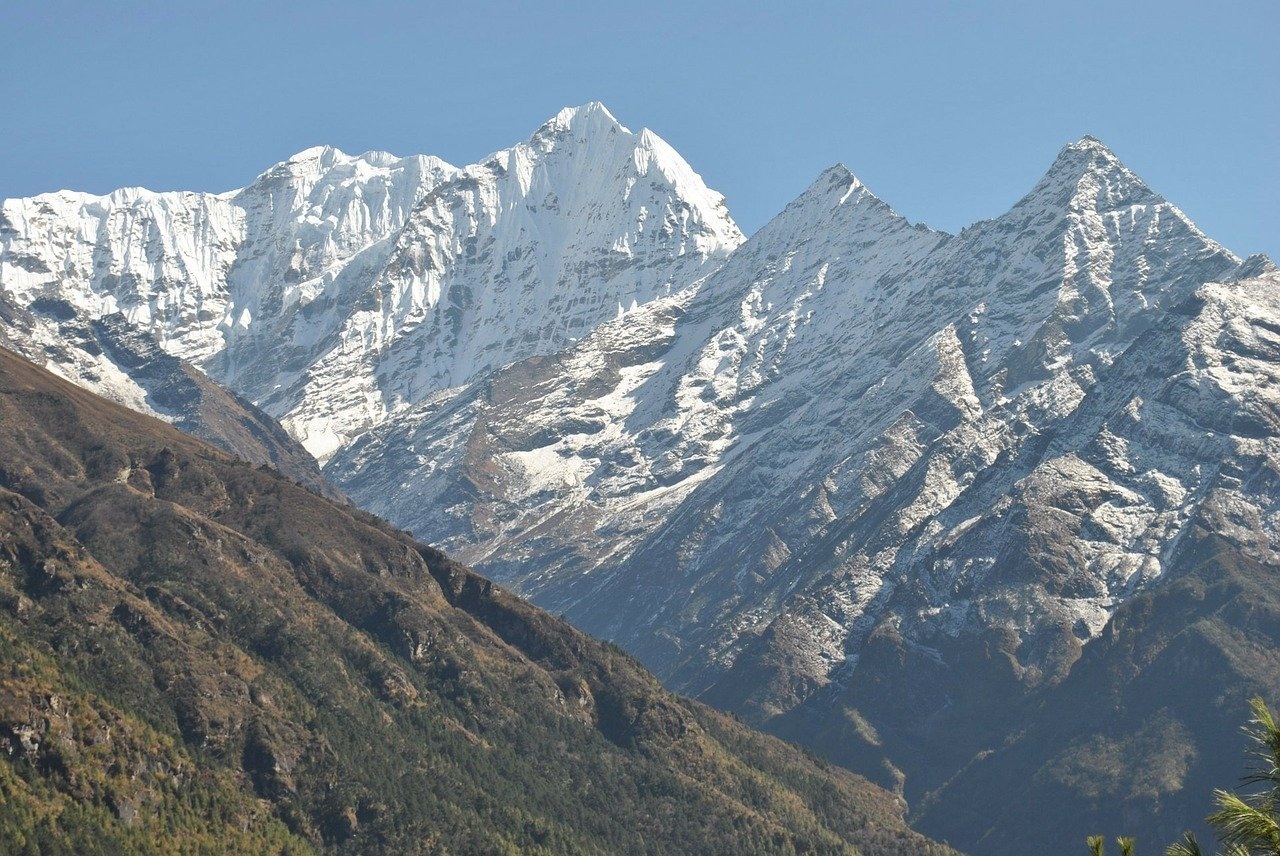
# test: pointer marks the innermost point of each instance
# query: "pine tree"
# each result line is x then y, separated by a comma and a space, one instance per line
1248, 825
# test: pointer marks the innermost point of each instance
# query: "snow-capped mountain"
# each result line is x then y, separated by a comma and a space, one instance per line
338, 289
868, 483
862, 435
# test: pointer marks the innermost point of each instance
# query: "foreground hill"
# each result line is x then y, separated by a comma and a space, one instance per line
199, 654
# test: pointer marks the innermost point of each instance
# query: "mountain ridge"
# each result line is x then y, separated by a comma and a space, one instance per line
830, 476
747, 483
274, 288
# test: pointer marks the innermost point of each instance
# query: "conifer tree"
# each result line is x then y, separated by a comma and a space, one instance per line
1249, 824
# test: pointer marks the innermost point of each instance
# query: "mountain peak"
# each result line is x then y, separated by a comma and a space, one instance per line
837, 186
1086, 155
835, 200
308, 162
328, 156
1258, 264
589, 117
1087, 175
1088, 141
838, 172
318, 153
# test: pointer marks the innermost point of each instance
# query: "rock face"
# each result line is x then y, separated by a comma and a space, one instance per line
1145, 725
869, 484
848, 406
336, 290
110, 355
199, 654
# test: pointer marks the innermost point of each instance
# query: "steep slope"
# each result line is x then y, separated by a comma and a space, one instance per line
336, 290
1144, 727
198, 647
638, 415
1175, 446
520, 255
866, 471
732, 425
113, 358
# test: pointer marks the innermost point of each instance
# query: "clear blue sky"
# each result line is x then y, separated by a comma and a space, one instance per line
947, 110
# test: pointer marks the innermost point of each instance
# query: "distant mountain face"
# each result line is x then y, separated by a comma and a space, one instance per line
872, 485
336, 290
849, 409
110, 355
1145, 725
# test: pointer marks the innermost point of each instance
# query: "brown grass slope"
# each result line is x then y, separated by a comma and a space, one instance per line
253, 667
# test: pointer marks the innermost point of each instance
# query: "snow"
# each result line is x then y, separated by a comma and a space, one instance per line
336, 289
563, 363
843, 372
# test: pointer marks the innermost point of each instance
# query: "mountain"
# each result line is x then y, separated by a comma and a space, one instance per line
841, 362
881, 489
869, 485
1133, 726
200, 654
336, 290
1144, 726
114, 358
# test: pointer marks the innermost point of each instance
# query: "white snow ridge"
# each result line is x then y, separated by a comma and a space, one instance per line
336, 290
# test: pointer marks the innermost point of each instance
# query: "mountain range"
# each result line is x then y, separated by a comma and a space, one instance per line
896, 494
335, 289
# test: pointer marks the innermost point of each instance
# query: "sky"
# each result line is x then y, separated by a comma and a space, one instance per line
949, 111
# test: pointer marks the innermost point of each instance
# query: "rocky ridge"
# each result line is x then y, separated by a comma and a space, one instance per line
873, 486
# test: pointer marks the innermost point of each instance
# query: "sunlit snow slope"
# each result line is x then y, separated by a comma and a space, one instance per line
337, 289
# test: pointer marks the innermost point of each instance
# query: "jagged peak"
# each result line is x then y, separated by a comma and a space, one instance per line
317, 153
313, 163
589, 122
1089, 157
837, 186
328, 156
836, 199
593, 139
1087, 154
587, 118
1087, 175
839, 173
1089, 141
313, 160
1258, 264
